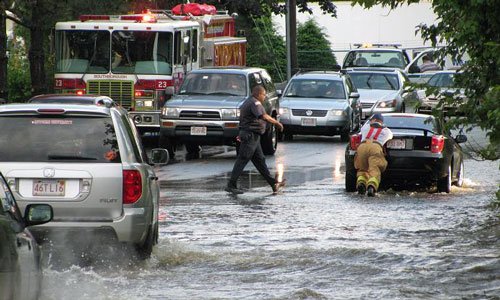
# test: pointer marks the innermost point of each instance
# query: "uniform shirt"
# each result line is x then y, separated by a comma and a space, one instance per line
251, 113
375, 132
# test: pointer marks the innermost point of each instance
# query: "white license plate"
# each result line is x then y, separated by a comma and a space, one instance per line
396, 144
308, 121
49, 187
197, 130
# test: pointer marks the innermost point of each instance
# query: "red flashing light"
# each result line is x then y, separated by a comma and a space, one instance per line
139, 18
84, 18
355, 141
132, 186
80, 92
138, 94
437, 144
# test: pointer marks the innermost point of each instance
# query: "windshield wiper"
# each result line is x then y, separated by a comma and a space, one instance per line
222, 93
69, 157
296, 96
192, 93
390, 83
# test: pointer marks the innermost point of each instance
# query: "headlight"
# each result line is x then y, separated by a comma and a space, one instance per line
230, 113
337, 112
387, 103
148, 103
170, 112
139, 103
284, 111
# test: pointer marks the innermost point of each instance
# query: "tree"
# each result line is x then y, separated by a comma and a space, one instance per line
314, 48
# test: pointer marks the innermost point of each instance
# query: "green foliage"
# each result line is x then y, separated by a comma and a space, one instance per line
314, 50
19, 82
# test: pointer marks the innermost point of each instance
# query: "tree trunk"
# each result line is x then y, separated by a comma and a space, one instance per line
35, 54
3, 54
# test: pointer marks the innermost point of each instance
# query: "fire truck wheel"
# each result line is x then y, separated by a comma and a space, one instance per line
269, 141
165, 143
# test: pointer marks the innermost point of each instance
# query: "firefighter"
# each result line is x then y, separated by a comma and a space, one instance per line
253, 118
370, 158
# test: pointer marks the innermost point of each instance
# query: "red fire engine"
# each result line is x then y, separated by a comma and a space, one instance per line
139, 60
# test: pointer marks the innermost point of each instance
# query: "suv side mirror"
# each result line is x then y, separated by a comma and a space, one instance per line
159, 156
279, 93
461, 138
354, 95
169, 90
36, 214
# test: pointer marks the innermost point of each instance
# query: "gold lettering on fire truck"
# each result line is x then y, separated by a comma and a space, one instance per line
109, 76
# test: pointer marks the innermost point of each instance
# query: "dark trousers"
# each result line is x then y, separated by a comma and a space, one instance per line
250, 149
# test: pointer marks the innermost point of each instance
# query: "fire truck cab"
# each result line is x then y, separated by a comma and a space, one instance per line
140, 60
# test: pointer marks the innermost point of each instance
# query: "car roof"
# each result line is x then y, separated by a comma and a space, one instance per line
54, 109
329, 75
72, 98
372, 49
228, 70
372, 70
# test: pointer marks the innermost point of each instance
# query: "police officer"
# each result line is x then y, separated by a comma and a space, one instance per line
253, 118
370, 158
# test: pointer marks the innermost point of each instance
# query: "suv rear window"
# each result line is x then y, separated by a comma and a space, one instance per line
68, 139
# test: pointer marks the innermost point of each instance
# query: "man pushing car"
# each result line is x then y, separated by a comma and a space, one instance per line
370, 160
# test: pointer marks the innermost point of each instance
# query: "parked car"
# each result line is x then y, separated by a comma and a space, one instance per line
73, 99
382, 90
376, 55
320, 103
20, 270
416, 75
421, 153
205, 111
88, 163
444, 81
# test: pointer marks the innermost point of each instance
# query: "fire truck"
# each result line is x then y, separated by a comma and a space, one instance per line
139, 60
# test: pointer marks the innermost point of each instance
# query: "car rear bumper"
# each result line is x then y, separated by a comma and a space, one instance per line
131, 227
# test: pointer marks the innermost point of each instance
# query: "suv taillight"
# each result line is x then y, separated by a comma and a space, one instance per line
355, 141
437, 143
132, 186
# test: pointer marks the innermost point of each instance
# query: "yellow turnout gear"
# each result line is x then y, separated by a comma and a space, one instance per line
370, 163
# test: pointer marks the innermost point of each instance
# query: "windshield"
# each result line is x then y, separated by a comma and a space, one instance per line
89, 51
310, 88
214, 84
376, 58
445, 80
375, 81
69, 139
141, 52
82, 51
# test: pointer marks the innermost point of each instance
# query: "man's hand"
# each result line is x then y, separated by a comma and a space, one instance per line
280, 126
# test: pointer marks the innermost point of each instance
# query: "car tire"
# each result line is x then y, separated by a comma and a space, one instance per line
350, 180
288, 137
144, 250
269, 141
193, 148
166, 144
460, 175
444, 184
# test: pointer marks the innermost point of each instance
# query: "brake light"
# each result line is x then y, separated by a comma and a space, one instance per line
132, 186
50, 111
355, 141
437, 143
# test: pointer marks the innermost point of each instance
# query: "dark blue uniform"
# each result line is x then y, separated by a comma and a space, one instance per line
252, 126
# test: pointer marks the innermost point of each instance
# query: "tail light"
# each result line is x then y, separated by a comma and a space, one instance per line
437, 143
355, 141
132, 186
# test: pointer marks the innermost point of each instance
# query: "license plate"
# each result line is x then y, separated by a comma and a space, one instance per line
308, 122
195, 130
396, 144
49, 187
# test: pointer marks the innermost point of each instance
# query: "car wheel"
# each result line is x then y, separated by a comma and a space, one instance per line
270, 141
166, 144
460, 175
444, 184
193, 148
288, 137
144, 250
350, 180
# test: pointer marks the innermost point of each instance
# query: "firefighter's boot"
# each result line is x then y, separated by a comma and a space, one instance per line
361, 185
372, 186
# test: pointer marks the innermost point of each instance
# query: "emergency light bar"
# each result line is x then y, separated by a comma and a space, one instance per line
84, 18
367, 45
139, 18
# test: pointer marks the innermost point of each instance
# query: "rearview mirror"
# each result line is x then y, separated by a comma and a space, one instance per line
36, 214
461, 138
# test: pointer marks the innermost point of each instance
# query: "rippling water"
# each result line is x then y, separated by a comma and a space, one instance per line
313, 241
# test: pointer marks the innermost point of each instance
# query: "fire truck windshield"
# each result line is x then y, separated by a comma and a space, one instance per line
122, 52
141, 52
82, 51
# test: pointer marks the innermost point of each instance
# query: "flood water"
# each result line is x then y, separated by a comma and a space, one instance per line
312, 241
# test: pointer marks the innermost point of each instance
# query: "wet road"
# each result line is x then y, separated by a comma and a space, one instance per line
312, 241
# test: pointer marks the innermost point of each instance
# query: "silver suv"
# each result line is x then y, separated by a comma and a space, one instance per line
87, 162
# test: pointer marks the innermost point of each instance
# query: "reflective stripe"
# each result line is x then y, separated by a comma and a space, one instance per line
370, 133
377, 134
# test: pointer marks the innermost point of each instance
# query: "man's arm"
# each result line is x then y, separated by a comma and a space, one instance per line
271, 120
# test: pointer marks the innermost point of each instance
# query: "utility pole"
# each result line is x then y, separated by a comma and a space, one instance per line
291, 38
